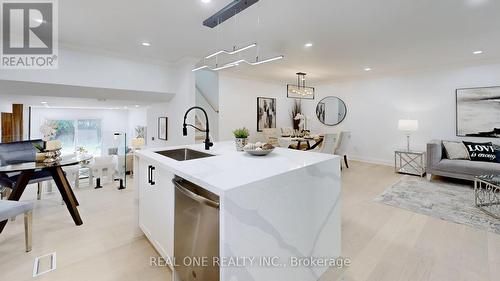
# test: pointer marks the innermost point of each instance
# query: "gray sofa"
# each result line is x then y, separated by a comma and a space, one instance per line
438, 164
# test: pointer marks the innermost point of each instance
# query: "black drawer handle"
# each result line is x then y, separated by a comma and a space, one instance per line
149, 173
152, 181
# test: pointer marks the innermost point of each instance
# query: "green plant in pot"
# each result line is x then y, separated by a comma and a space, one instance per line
241, 138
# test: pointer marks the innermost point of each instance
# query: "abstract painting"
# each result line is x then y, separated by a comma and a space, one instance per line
266, 113
478, 112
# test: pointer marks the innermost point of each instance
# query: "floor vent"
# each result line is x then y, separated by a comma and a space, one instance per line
44, 264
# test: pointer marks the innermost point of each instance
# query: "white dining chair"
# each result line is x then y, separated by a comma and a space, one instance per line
329, 144
102, 166
341, 146
271, 136
286, 131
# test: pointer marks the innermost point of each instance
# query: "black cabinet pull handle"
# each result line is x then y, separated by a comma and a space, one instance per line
149, 173
152, 180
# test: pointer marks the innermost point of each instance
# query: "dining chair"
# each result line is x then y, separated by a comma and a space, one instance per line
98, 167
286, 131
329, 142
20, 152
10, 209
271, 136
341, 147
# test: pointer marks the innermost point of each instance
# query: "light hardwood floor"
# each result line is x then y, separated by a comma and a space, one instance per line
383, 242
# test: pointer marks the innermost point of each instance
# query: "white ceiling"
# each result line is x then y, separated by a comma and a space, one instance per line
348, 35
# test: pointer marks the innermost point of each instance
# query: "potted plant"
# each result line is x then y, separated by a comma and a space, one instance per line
241, 138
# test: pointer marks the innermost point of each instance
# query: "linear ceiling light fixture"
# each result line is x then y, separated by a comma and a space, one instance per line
237, 63
235, 51
228, 12
200, 68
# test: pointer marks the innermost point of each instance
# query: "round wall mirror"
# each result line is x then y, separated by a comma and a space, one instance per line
331, 111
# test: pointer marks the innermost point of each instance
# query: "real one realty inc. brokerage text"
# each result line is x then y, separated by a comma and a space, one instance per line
251, 262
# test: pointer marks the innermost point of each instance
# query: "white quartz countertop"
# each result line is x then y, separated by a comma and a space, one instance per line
229, 169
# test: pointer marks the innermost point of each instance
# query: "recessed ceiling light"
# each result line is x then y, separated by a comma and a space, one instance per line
136, 105
206, 1
368, 69
43, 102
477, 52
146, 44
307, 45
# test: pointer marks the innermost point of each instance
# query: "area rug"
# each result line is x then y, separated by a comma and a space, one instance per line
448, 201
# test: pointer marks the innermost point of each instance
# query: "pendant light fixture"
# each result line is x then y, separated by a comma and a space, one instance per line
221, 16
235, 51
300, 91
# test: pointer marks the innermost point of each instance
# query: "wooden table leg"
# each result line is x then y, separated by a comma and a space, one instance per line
18, 190
66, 193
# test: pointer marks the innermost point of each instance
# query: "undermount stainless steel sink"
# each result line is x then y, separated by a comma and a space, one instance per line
184, 154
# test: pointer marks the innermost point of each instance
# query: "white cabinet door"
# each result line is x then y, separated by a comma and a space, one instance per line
164, 211
146, 198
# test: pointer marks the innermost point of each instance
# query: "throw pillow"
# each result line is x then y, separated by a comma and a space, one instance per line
497, 151
456, 150
481, 151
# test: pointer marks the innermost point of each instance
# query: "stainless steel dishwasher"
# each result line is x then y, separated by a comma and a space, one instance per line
196, 232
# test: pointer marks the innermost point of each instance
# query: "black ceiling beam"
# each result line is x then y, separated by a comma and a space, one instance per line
228, 12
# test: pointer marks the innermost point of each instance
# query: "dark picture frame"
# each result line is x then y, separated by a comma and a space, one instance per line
163, 128
266, 113
476, 112
291, 95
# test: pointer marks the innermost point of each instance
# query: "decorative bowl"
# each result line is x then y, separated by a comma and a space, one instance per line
262, 152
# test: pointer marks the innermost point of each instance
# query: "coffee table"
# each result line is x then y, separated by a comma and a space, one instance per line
487, 194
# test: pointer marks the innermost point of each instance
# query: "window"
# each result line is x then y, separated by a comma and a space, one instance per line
84, 133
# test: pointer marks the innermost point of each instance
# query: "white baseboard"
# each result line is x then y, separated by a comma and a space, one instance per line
371, 160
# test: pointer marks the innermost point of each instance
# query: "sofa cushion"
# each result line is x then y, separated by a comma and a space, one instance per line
468, 167
455, 150
481, 151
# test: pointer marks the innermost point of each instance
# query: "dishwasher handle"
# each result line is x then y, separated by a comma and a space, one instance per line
194, 196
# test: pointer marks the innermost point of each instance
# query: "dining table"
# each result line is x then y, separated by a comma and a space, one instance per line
26, 171
287, 141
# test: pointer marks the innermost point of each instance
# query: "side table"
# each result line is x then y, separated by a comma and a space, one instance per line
409, 162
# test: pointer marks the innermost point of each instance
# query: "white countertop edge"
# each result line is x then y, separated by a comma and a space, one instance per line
176, 167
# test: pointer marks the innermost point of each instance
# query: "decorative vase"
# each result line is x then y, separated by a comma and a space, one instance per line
40, 156
296, 124
240, 143
52, 156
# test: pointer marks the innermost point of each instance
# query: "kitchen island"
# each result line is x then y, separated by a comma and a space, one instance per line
278, 215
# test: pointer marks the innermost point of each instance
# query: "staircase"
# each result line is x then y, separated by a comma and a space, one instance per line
199, 136
212, 112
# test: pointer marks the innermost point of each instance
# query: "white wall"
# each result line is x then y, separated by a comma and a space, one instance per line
104, 70
100, 70
374, 107
184, 98
238, 105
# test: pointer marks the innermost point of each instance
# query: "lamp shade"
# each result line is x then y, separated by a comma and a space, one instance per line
408, 125
137, 142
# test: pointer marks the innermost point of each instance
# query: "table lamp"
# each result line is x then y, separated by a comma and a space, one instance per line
408, 126
137, 143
